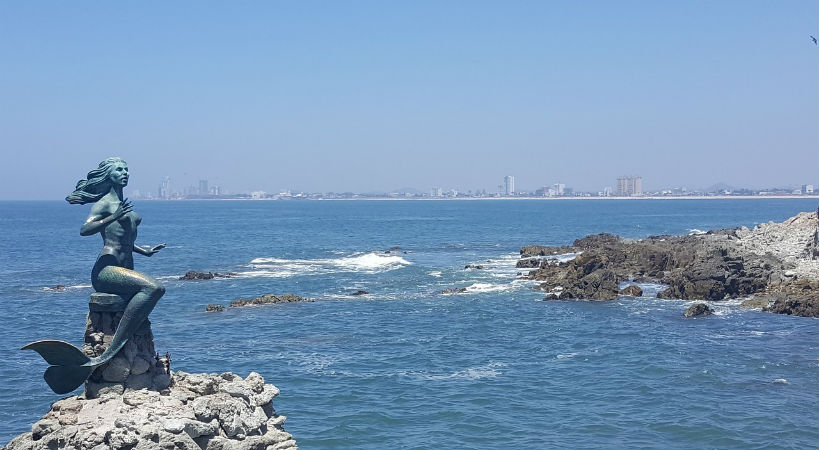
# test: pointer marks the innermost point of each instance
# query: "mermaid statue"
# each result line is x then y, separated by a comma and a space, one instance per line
111, 216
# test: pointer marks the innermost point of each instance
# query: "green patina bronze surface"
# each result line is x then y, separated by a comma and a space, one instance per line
111, 216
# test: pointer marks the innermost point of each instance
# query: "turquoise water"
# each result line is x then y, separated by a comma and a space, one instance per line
405, 367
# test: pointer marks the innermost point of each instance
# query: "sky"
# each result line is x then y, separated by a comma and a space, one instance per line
368, 96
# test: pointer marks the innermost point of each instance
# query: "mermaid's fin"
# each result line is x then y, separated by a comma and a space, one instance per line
69, 366
58, 353
64, 379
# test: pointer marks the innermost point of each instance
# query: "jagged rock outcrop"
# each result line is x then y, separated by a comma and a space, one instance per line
267, 299
199, 411
194, 275
135, 402
450, 291
698, 309
632, 290
771, 259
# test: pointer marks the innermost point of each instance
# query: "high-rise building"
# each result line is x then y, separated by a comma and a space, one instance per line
164, 188
629, 186
509, 185
203, 187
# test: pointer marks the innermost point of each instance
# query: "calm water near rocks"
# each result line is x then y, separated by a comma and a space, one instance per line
406, 367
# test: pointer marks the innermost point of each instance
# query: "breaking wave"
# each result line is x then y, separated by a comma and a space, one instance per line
362, 263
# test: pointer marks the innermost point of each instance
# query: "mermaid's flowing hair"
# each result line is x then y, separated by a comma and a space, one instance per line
95, 185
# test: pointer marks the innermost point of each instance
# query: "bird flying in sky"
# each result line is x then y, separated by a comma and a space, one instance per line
814, 40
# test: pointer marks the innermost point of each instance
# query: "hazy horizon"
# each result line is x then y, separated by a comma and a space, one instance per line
370, 96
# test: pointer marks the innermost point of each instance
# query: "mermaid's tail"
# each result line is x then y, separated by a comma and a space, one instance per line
69, 366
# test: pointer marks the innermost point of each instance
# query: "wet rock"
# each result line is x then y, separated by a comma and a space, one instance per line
267, 299
698, 309
771, 259
194, 275
214, 308
528, 263
474, 266
757, 302
632, 290
450, 291
799, 297
359, 292
529, 251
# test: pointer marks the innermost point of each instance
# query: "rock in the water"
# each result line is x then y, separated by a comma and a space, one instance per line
757, 302
632, 290
797, 298
182, 417
359, 292
473, 266
528, 263
268, 299
450, 291
698, 309
194, 275
774, 259
794, 307
214, 308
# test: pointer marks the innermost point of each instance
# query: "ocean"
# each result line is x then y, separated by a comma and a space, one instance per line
407, 367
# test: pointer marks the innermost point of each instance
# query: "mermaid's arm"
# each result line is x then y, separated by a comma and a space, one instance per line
148, 251
97, 221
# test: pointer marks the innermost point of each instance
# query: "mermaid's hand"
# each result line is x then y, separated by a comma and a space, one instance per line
124, 208
154, 249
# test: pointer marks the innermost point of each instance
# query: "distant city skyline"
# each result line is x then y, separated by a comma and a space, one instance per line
366, 97
626, 186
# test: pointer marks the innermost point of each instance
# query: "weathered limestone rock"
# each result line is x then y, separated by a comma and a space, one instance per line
200, 411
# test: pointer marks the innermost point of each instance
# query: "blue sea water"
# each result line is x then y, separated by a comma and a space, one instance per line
406, 367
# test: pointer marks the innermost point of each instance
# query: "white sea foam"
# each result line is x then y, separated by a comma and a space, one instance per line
73, 286
435, 273
490, 370
372, 262
780, 381
694, 231
488, 287
566, 356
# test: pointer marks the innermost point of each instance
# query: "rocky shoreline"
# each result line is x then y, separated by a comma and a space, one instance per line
135, 401
774, 265
198, 411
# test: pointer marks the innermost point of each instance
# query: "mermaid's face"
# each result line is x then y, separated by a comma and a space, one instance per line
119, 174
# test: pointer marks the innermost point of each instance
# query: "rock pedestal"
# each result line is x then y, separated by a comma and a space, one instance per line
135, 367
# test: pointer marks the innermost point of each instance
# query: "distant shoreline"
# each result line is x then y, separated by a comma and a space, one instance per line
702, 197
447, 199
691, 197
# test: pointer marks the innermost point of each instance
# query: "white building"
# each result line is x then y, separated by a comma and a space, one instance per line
629, 186
509, 185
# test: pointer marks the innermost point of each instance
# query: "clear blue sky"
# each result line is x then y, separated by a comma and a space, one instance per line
375, 95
